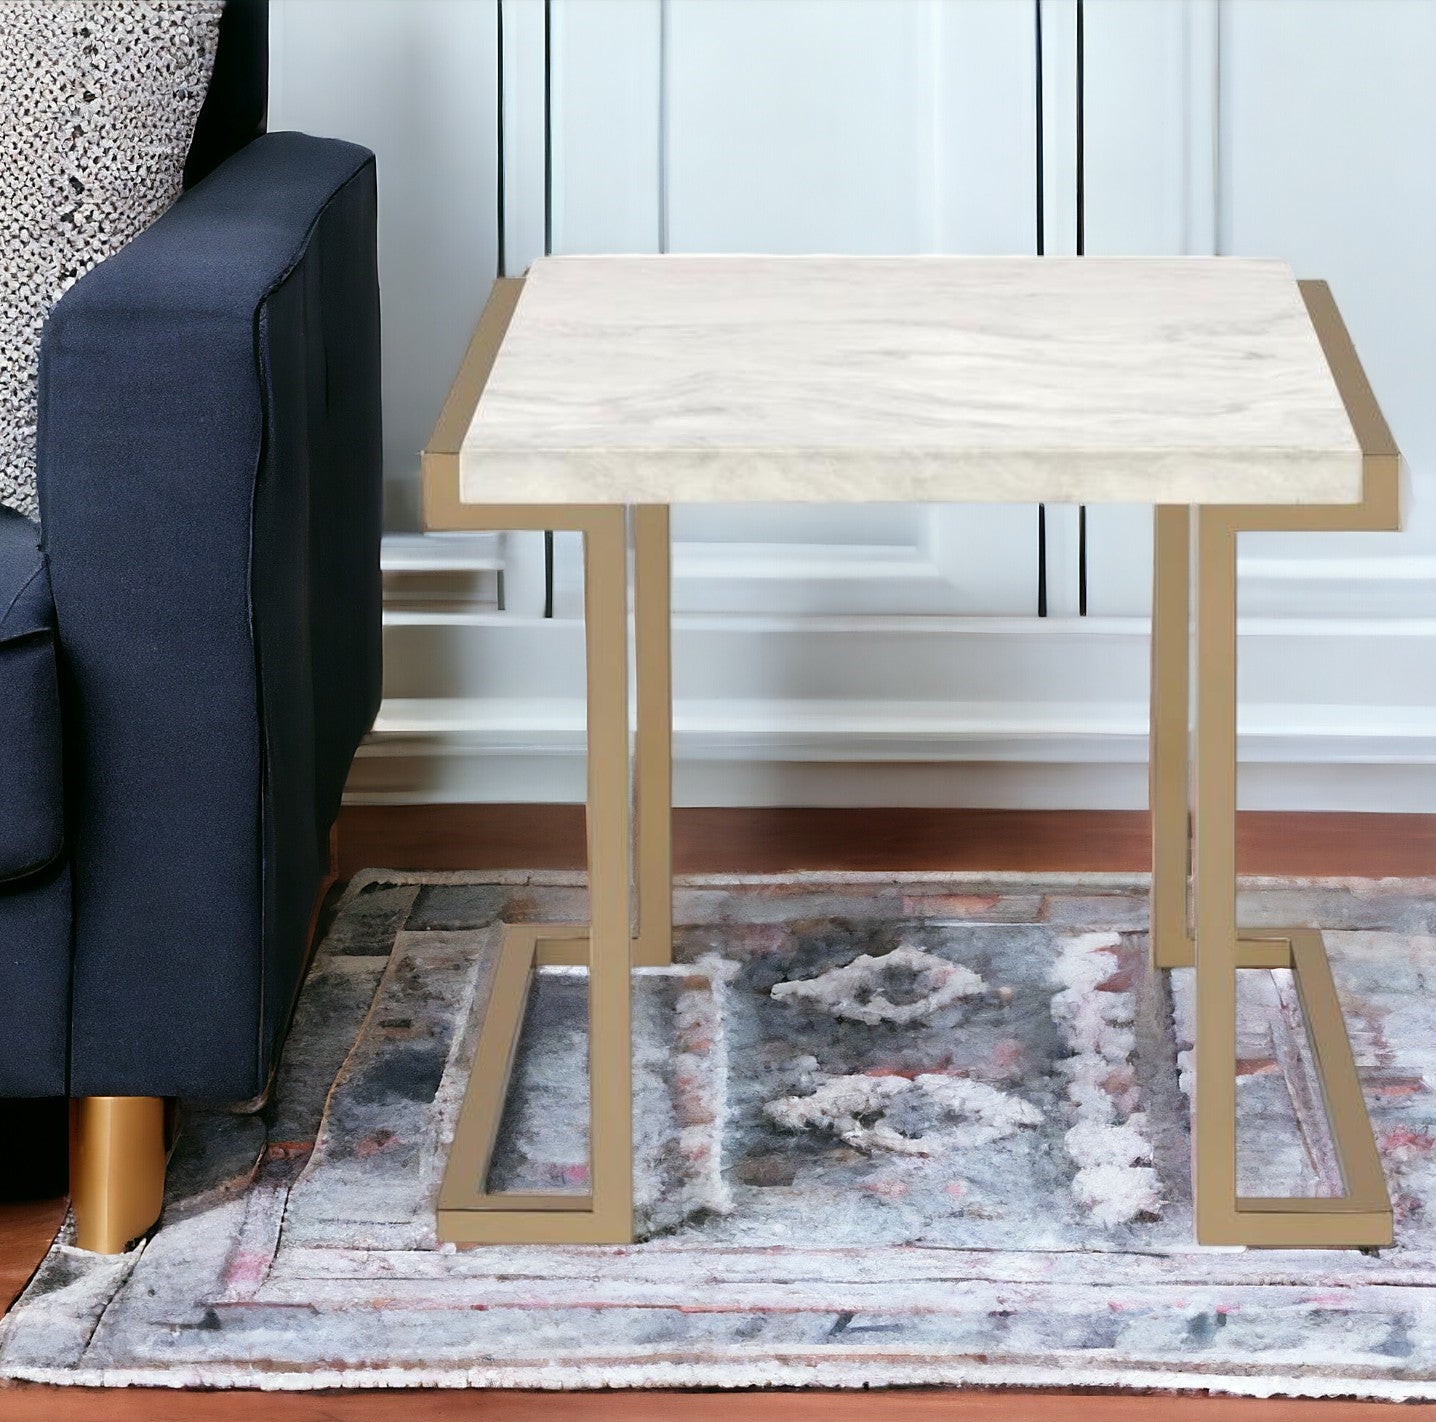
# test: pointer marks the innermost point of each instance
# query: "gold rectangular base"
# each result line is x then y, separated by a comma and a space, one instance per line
468, 1212
1361, 1218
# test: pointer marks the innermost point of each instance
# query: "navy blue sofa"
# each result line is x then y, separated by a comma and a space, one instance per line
190, 651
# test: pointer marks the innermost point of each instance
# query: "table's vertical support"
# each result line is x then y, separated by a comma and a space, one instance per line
468, 1212
1168, 796
653, 751
609, 1007
1215, 807
1361, 1216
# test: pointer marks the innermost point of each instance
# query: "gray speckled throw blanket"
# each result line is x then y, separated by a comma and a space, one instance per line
892, 1129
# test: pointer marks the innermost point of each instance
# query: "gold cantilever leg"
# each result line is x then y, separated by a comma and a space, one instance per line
653, 751
117, 1169
468, 1212
609, 1044
1215, 803
1168, 752
1361, 1217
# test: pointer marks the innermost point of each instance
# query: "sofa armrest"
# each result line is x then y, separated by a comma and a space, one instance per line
209, 480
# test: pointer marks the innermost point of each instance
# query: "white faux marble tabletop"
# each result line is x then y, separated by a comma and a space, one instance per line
696, 379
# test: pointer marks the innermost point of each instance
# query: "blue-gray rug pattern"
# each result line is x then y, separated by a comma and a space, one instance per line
892, 1129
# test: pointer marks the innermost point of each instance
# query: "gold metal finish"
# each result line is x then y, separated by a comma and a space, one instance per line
1380, 508
1168, 752
468, 1212
439, 464
1362, 1216
117, 1169
653, 752
1214, 802
609, 853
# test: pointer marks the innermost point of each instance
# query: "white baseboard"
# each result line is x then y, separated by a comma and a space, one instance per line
1338, 711
1033, 755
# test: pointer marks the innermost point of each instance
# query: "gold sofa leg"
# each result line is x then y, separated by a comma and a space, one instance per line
117, 1169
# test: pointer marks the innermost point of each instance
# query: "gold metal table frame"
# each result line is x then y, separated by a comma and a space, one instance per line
1193, 807
1196, 834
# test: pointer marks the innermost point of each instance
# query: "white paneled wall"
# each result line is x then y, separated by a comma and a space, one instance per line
1325, 121
891, 654
413, 80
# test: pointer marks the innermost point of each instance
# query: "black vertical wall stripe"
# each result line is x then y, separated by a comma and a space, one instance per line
547, 239
1042, 560
548, 127
1041, 251
1081, 137
1081, 251
499, 206
1037, 47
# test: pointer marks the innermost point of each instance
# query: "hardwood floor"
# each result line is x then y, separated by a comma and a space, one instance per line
26, 1229
50, 1404
770, 840
755, 841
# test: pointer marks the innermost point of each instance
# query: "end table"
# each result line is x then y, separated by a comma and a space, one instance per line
1223, 392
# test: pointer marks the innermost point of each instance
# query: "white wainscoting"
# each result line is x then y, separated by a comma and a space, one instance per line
892, 654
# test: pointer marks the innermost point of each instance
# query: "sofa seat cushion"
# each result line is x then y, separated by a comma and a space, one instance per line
31, 799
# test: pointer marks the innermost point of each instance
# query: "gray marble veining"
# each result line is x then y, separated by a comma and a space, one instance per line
935, 379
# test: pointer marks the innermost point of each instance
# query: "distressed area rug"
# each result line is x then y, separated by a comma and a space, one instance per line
891, 1130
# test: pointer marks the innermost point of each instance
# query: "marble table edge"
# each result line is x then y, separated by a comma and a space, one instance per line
1287, 476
